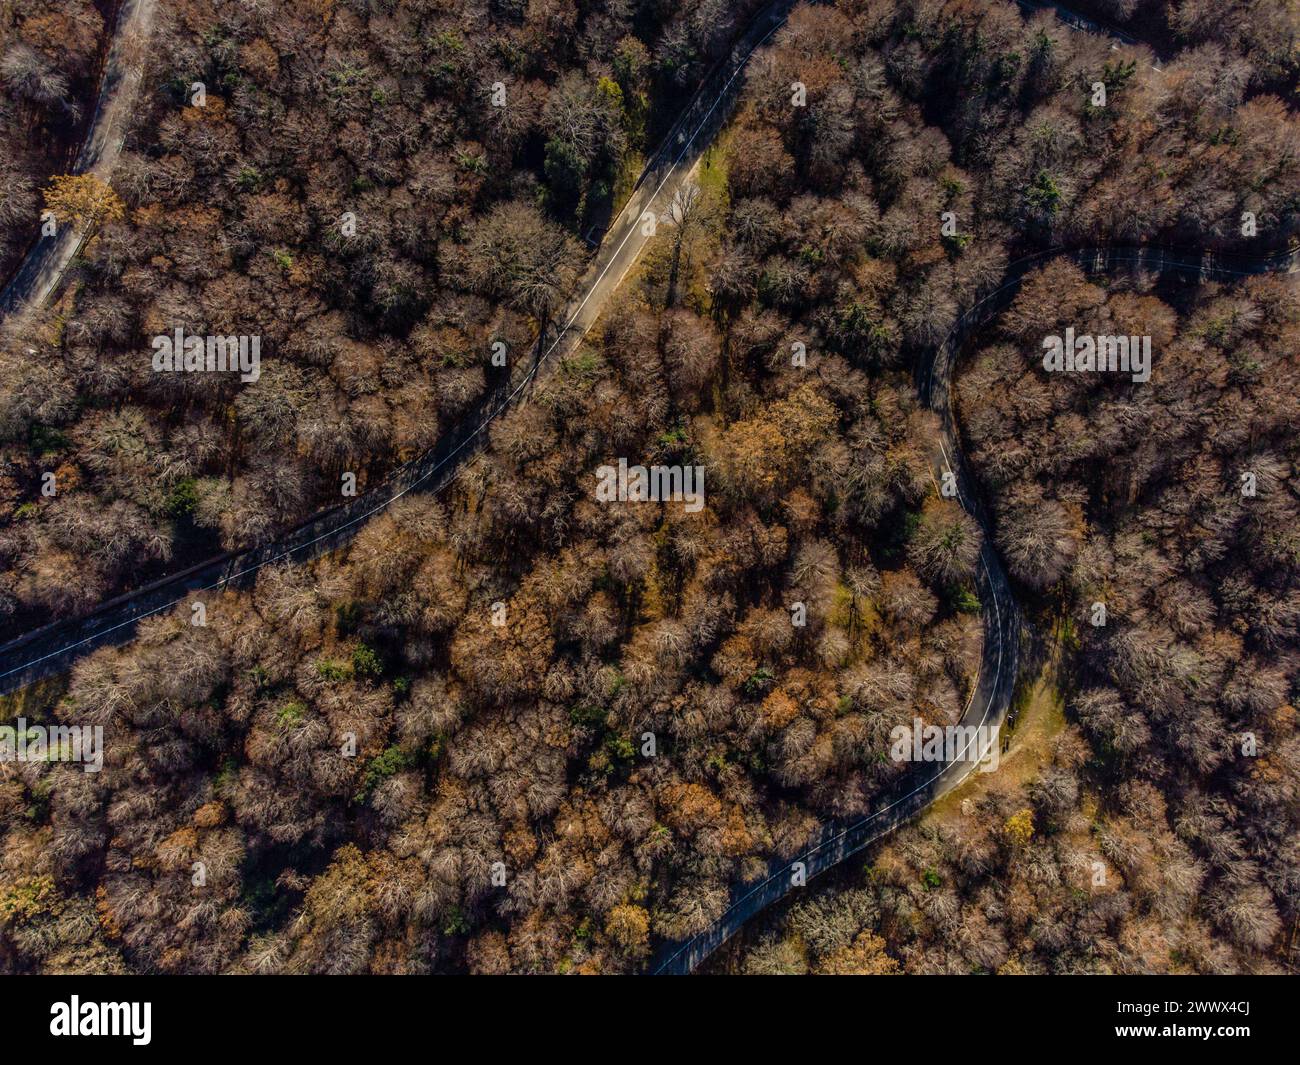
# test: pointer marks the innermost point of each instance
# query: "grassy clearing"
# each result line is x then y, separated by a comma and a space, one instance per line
1039, 717
34, 702
625, 180
712, 174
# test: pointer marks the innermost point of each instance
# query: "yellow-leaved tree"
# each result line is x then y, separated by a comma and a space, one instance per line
84, 201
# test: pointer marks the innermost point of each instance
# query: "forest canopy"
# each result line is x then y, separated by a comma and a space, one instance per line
514, 727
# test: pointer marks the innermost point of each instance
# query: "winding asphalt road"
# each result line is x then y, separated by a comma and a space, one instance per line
51, 649
995, 684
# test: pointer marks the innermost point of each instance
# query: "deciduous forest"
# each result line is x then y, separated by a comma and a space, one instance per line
1144, 841
512, 728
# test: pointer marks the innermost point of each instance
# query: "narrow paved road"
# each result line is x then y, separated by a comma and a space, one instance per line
1081, 22
52, 648
119, 86
991, 697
